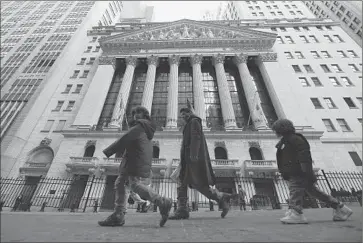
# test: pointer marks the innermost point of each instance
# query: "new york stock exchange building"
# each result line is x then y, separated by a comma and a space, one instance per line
233, 77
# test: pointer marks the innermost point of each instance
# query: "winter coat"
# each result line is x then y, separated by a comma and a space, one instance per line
293, 153
137, 142
198, 172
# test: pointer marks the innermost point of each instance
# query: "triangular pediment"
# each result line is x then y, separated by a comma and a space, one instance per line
185, 29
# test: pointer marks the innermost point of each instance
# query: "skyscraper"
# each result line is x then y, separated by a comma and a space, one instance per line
348, 13
37, 41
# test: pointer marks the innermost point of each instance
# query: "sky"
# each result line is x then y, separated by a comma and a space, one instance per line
175, 10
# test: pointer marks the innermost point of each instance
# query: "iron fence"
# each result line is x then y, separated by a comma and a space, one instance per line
81, 192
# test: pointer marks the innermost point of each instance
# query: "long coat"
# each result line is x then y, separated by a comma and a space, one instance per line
138, 145
198, 172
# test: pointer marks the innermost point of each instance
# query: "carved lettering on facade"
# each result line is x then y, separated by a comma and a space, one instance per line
268, 57
46, 142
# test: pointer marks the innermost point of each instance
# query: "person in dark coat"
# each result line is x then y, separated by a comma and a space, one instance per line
196, 168
295, 165
135, 168
241, 198
17, 203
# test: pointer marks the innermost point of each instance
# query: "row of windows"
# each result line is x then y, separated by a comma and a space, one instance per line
316, 55
42, 62
77, 90
49, 125
305, 28
334, 80
60, 104
77, 72
331, 105
278, 13
89, 49
272, 7
90, 62
309, 39
342, 123
325, 68
53, 46
59, 37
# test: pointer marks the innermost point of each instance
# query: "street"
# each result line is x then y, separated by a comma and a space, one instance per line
261, 226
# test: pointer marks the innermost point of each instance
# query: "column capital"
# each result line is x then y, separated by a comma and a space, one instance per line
153, 60
174, 59
196, 59
103, 60
241, 58
268, 57
131, 61
219, 58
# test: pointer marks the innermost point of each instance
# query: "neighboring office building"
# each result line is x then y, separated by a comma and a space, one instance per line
38, 41
348, 13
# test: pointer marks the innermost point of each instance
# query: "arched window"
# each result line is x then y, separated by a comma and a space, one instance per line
255, 153
90, 150
41, 155
220, 153
156, 152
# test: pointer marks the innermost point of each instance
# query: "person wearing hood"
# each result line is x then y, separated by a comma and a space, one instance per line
296, 166
135, 168
196, 168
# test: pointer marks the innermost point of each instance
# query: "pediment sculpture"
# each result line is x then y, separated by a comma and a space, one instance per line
185, 32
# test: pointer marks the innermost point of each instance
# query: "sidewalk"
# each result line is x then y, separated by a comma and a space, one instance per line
258, 226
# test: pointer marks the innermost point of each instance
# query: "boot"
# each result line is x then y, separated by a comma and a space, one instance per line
164, 205
115, 219
182, 211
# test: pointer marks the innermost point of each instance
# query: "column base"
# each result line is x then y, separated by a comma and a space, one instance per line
263, 128
233, 129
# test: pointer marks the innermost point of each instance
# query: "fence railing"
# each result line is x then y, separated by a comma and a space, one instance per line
81, 192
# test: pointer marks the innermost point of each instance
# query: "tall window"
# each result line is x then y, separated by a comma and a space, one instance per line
135, 95
185, 89
111, 98
160, 99
329, 125
235, 99
344, 125
211, 99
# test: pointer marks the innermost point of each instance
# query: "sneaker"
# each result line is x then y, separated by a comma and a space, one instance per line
164, 209
115, 219
293, 217
342, 213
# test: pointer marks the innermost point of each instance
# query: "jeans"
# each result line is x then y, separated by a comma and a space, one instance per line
299, 185
137, 185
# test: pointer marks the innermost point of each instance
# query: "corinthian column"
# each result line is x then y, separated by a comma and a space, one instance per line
172, 109
229, 118
123, 95
252, 96
147, 97
199, 104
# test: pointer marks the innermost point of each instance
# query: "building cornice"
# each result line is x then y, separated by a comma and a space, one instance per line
342, 140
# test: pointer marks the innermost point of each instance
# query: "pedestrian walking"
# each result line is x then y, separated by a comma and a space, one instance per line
135, 168
95, 206
44, 204
17, 203
295, 165
241, 198
196, 169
